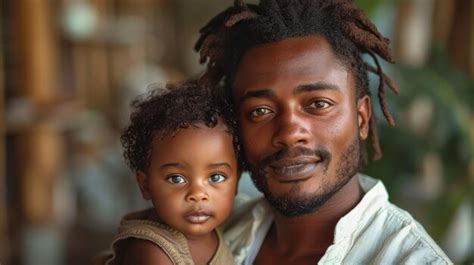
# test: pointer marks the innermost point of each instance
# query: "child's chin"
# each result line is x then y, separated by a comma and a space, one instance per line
199, 231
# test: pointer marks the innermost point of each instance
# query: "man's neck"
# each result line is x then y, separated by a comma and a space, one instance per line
314, 233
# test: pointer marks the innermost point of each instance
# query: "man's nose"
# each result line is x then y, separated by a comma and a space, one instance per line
197, 193
291, 129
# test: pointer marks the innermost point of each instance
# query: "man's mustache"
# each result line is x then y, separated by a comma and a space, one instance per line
322, 153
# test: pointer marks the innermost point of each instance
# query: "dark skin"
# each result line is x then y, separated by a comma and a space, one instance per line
192, 182
293, 93
145, 252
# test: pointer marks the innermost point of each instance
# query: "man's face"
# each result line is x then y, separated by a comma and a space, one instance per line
301, 124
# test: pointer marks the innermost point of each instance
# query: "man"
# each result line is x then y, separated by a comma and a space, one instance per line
300, 89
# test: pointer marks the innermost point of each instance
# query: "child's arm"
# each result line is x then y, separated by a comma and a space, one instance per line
145, 252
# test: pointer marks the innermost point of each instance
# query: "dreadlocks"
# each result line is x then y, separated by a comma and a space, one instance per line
225, 39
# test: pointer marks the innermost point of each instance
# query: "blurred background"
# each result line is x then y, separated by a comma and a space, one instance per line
69, 68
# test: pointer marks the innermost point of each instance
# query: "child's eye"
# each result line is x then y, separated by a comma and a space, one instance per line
216, 178
176, 179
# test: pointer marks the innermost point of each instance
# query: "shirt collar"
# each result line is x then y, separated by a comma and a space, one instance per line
375, 197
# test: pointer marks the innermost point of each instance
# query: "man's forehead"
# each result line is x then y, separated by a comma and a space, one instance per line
298, 61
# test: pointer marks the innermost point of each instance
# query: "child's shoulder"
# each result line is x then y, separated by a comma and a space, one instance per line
139, 251
140, 225
141, 240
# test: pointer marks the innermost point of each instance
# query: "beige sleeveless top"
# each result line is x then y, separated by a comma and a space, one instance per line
173, 242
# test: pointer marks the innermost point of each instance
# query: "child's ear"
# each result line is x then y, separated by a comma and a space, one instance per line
142, 180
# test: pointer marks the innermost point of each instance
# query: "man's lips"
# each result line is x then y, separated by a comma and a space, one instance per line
293, 169
198, 217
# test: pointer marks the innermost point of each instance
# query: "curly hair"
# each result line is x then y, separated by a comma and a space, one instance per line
166, 110
227, 36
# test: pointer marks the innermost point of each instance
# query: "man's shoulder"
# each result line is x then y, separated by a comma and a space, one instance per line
377, 231
423, 247
392, 235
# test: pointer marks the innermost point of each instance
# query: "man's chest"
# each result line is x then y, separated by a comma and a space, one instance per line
269, 255
271, 258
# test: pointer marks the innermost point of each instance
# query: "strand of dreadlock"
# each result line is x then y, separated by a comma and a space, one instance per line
370, 42
218, 20
213, 35
374, 138
387, 79
240, 3
348, 10
213, 25
381, 92
332, 3
362, 31
357, 15
244, 15
290, 11
207, 50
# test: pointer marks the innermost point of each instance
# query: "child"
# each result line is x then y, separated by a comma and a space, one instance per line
183, 147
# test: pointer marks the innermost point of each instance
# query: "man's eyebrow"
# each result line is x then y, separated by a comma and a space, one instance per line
261, 93
315, 86
268, 93
221, 164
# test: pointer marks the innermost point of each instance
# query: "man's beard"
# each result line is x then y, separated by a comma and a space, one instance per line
293, 204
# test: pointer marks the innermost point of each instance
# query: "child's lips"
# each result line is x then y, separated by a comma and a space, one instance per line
198, 217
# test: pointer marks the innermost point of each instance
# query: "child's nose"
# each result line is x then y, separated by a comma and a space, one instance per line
197, 194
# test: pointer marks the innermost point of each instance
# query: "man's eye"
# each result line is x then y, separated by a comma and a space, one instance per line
319, 104
259, 112
176, 179
216, 178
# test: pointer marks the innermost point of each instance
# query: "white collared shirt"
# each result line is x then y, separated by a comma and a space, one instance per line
374, 232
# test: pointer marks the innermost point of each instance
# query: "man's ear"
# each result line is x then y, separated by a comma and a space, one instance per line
364, 112
142, 180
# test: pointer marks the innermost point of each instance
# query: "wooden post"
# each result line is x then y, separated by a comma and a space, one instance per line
471, 41
453, 24
443, 20
459, 38
413, 31
4, 248
40, 144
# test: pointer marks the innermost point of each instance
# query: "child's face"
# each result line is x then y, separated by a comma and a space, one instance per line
192, 179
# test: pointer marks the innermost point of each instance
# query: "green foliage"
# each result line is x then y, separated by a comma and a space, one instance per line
448, 134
